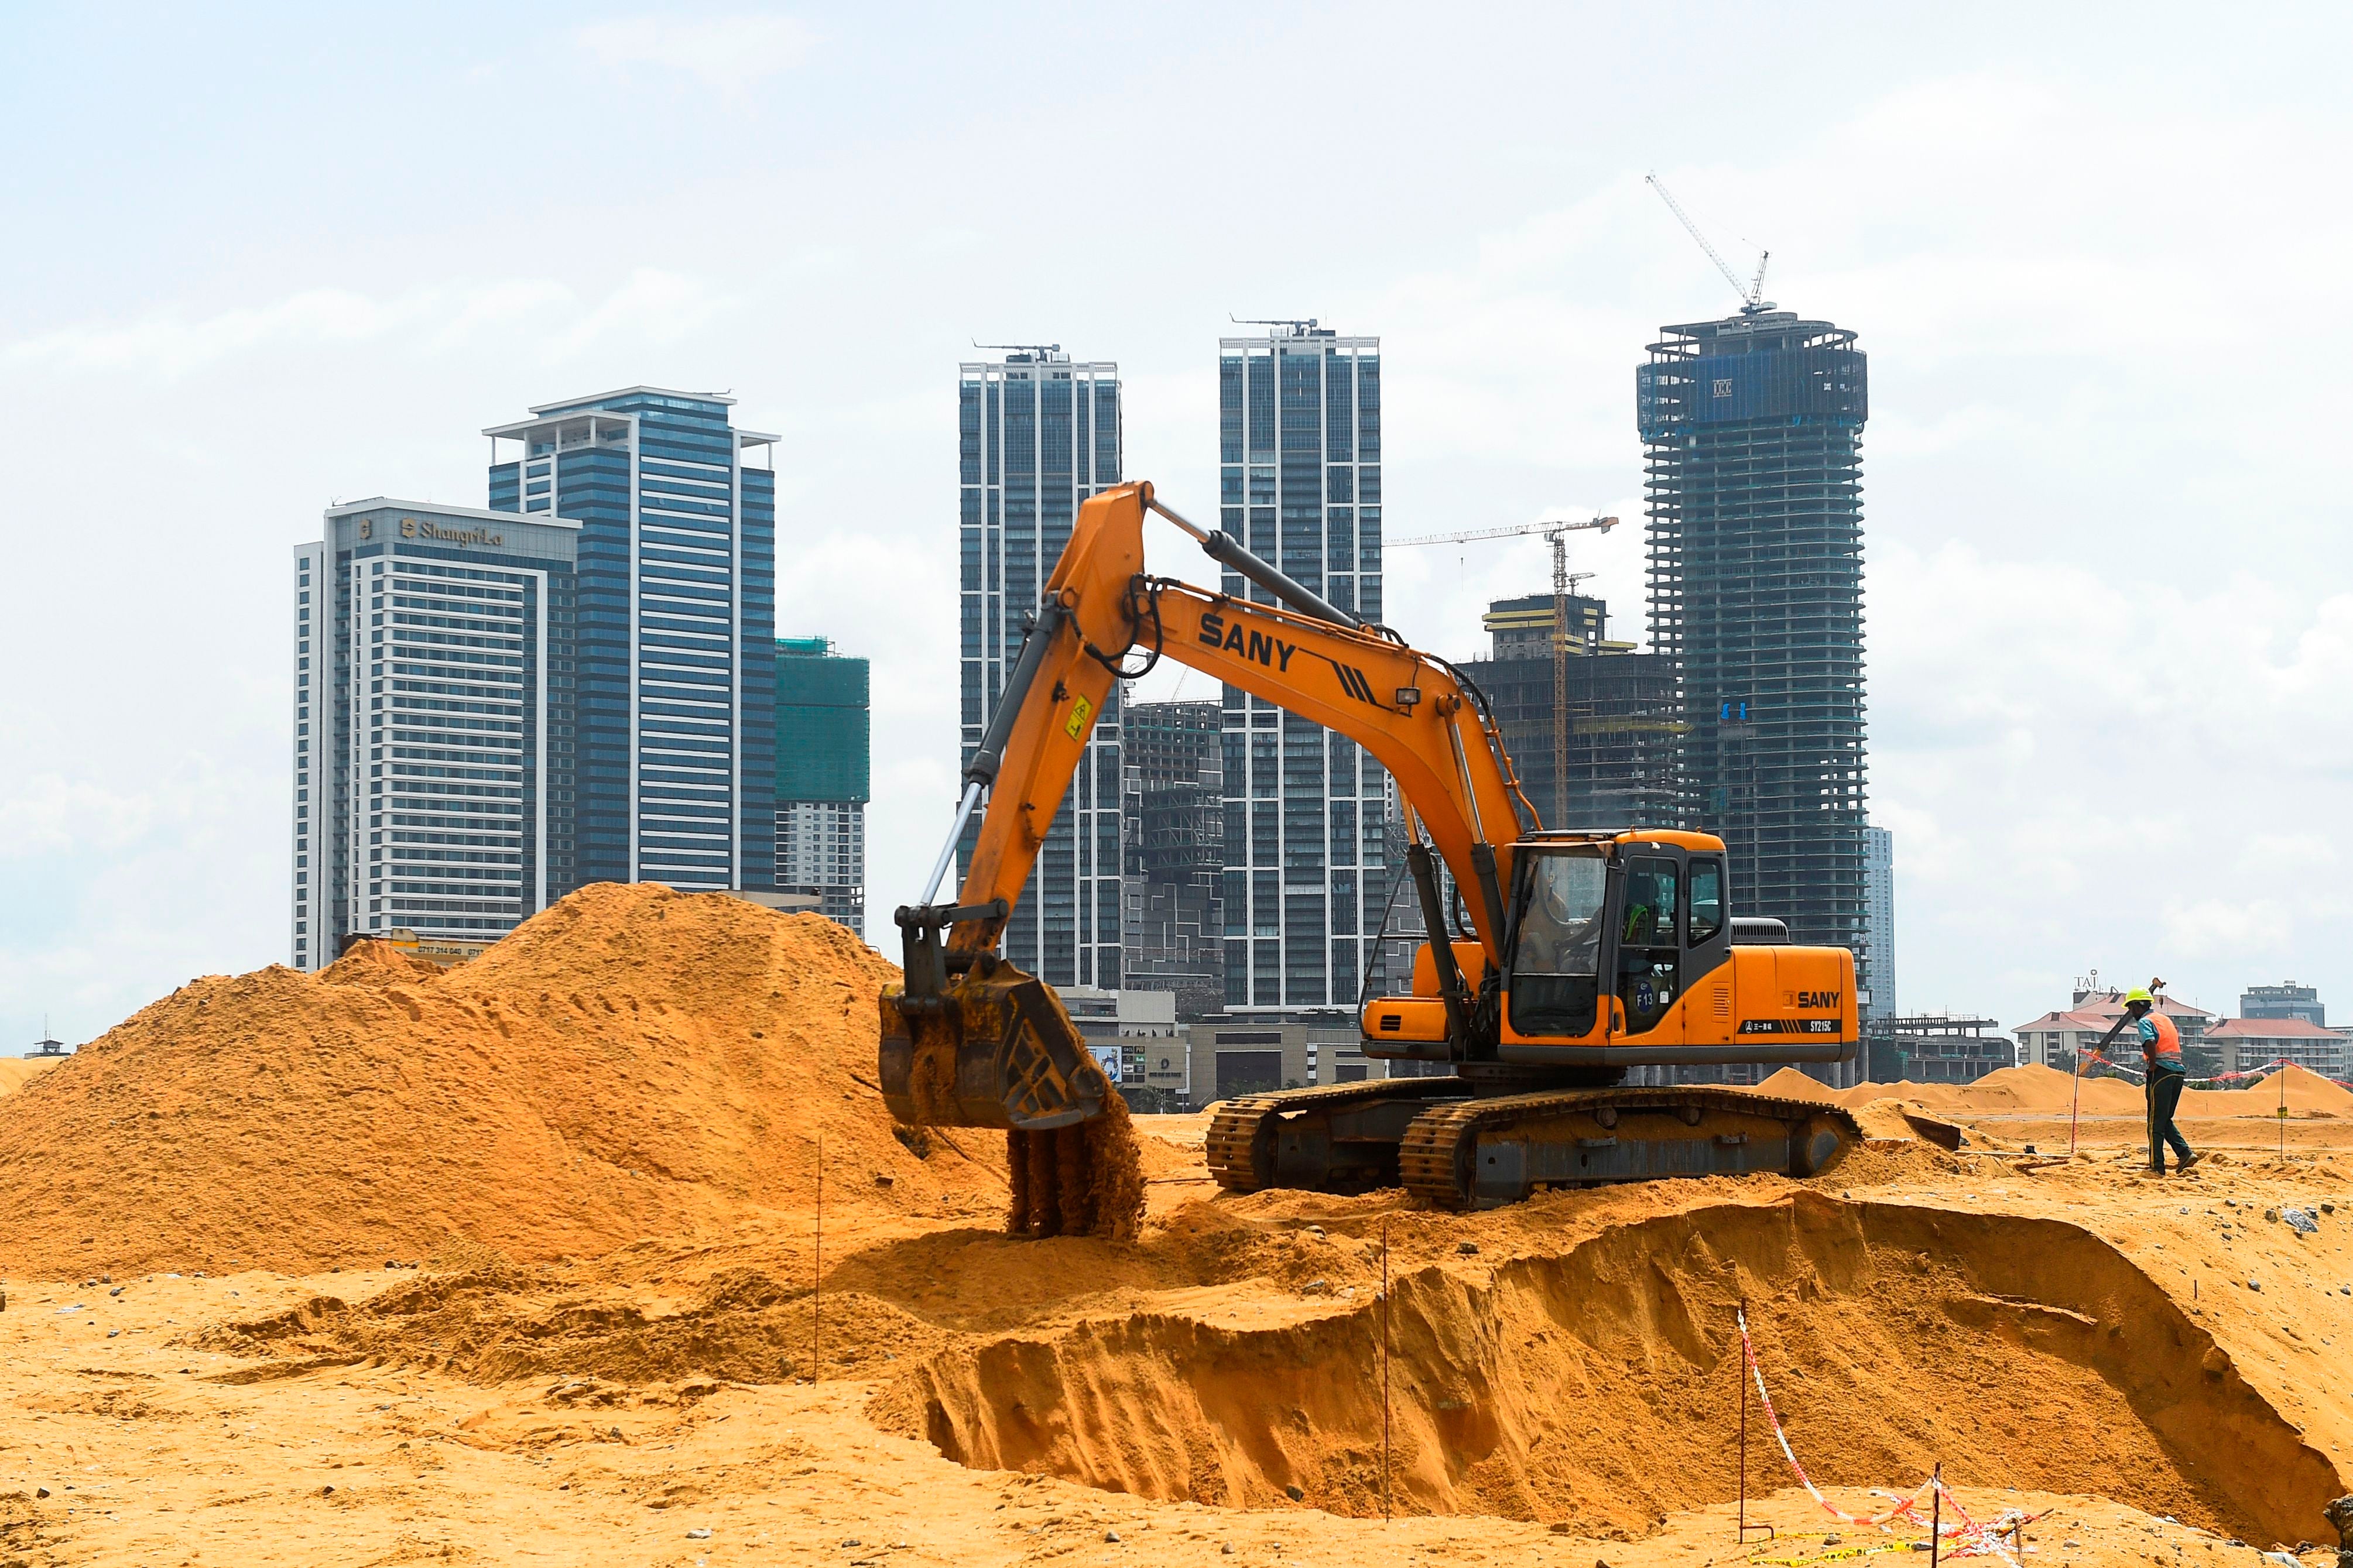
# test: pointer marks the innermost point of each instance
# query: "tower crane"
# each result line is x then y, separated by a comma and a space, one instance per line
1555, 531
1752, 293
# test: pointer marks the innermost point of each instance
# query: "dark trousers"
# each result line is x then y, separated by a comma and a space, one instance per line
2164, 1095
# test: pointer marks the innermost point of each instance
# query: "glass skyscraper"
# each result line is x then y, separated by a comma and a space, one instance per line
1039, 434
1305, 882
1878, 955
676, 631
824, 734
433, 717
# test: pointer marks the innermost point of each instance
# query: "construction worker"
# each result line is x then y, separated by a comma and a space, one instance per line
2160, 1054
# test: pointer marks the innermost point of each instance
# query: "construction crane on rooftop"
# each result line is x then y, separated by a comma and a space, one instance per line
1555, 531
1752, 293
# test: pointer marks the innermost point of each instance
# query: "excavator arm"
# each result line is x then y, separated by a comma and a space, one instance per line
970, 1041
1417, 718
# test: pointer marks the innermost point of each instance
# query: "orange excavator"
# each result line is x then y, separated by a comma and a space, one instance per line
1574, 953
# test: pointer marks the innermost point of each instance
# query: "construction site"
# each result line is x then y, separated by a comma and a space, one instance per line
603, 1247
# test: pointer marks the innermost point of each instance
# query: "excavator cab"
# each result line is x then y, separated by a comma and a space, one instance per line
1619, 950
1637, 918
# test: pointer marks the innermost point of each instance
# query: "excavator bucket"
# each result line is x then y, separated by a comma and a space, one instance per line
994, 1047
996, 1050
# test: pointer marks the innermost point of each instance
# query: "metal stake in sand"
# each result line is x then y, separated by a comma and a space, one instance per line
1385, 1372
817, 1285
1935, 1510
1740, 1376
2075, 1105
2282, 1075
1740, 1373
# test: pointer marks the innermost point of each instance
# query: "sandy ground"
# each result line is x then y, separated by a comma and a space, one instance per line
609, 1412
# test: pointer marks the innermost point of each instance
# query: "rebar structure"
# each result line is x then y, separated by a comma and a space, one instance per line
1592, 734
1751, 428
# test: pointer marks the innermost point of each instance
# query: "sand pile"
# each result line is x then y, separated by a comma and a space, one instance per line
1789, 1083
2028, 1091
1599, 1383
16, 1072
632, 1062
2307, 1094
2033, 1090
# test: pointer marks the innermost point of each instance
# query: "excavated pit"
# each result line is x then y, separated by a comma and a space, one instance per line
1599, 1386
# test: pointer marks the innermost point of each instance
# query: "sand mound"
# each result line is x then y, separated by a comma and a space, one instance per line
1599, 1385
2029, 1090
16, 1072
631, 1062
2307, 1094
1789, 1083
500, 1324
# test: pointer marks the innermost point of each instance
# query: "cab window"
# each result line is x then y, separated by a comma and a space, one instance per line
1560, 933
1556, 981
1649, 957
1650, 904
1706, 901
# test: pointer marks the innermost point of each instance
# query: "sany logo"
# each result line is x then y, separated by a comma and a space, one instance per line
1267, 650
1825, 1000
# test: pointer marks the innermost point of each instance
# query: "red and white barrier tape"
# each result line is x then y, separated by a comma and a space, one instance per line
2137, 1075
1970, 1538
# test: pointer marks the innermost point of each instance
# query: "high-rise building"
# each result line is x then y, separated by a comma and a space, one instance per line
823, 743
1039, 433
2286, 1000
1172, 755
678, 603
1876, 960
1753, 427
1300, 481
1622, 710
433, 785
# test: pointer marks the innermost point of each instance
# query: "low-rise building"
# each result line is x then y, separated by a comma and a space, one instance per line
2054, 1040
1935, 1047
2245, 1043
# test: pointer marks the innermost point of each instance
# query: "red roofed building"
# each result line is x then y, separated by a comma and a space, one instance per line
2054, 1040
2250, 1042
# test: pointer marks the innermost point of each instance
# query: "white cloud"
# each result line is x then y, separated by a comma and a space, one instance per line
728, 52
169, 345
2108, 768
653, 307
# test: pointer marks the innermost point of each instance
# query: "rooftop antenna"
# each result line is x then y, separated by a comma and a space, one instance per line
1020, 348
1752, 294
1298, 328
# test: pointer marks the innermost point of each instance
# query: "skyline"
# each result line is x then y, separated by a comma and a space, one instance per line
2101, 508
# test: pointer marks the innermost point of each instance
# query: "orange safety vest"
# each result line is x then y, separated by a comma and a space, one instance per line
2166, 1047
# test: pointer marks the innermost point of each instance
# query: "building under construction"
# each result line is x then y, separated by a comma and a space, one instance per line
1753, 430
1173, 849
1621, 710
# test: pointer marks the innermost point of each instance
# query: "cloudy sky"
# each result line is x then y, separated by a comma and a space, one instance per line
263, 259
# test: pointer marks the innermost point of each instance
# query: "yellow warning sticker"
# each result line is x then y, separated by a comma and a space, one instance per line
1075, 726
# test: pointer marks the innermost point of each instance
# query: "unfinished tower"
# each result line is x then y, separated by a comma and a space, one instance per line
1752, 429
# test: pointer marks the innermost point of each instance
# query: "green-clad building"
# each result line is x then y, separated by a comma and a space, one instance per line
824, 739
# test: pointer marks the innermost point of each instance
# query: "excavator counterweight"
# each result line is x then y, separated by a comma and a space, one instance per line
1568, 956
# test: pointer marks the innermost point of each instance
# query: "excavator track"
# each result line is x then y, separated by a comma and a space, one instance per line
1483, 1153
1340, 1138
